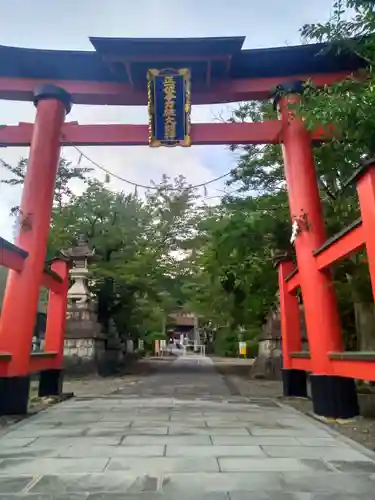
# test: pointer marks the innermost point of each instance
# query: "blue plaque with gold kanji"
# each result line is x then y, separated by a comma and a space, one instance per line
169, 107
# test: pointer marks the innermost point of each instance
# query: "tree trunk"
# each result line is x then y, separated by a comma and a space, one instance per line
364, 313
365, 325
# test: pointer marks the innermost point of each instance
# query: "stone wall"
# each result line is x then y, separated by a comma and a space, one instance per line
83, 348
88, 351
268, 364
83, 355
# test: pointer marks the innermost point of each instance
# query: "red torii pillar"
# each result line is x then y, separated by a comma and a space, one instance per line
319, 299
51, 380
294, 381
20, 304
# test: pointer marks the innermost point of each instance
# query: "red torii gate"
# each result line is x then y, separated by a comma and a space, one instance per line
115, 74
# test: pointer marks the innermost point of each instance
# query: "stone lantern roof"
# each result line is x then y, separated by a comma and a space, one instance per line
81, 251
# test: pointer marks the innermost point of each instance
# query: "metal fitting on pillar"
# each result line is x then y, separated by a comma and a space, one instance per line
296, 87
50, 91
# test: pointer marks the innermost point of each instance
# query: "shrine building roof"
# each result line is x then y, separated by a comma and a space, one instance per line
126, 60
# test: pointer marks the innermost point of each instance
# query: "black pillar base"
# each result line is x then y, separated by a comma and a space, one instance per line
14, 395
50, 383
334, 397
294, 383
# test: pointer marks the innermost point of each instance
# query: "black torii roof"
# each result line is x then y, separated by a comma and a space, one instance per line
175, 47
210, 59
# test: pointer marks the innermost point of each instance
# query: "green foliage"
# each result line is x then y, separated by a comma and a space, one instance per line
252, 348
347, 104
65, 174
135, 275
226, 343
236, 283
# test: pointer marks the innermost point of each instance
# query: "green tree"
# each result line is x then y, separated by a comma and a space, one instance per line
346, 104
66, 173
136, 276
235, 281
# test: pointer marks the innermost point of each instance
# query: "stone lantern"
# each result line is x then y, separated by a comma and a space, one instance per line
80, 256
84, 347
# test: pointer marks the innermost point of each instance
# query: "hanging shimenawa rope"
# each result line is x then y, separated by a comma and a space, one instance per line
138, 185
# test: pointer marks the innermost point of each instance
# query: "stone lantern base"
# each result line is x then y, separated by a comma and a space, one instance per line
85, 347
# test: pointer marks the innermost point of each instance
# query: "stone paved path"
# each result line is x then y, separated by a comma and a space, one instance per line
179, 434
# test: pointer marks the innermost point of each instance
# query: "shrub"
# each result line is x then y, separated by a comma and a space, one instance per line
252, 348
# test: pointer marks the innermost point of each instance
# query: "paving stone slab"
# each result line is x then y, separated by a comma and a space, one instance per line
256, 440
141, 440
239, 464
317, 465
261, 495
345, 454
329, 483
54, 432
221, 482
355, 467
15, 442
110, 482
71, 418
329, 453
158, 496
147, 430
291, 496
214, 451
266, 431
320, 441
208, 431
56, 496
157, 466
113, 451
27, 452
15, 466
14, 484
46, 442
36, 426
103, 426
105, 433
223, 423
183, 413
183, 417
158, 421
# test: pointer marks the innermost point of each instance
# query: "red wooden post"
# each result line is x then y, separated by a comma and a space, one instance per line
22, 290
319, 298
51, 380
289, 316
294, 381
366, 196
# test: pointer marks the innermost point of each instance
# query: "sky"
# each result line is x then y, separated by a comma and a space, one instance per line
67, 24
